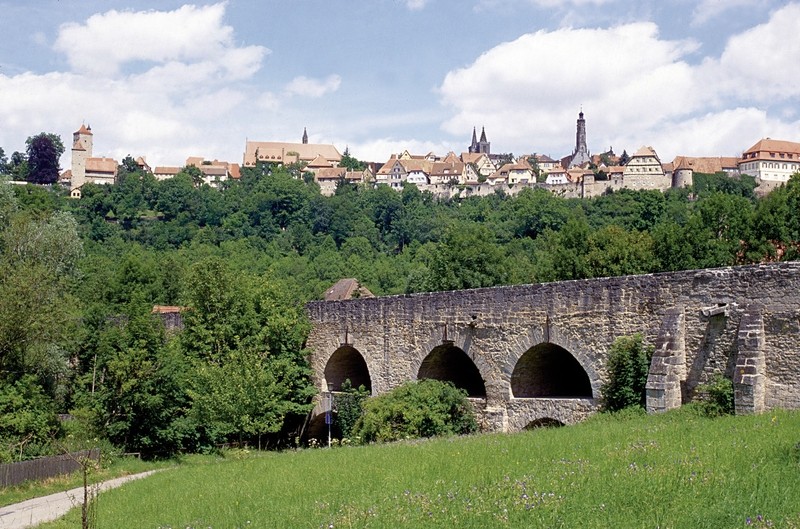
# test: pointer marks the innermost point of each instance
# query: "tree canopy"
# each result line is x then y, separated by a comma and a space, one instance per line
44, 151
78, 333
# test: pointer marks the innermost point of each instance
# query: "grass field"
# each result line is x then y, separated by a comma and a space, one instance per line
669, 471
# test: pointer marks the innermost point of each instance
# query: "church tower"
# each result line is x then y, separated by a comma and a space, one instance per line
581, 154
481, 146
305, 136
81, 151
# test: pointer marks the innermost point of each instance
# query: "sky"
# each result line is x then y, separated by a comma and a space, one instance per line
167, 79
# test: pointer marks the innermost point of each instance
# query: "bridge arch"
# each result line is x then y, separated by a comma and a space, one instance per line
548, 370
544, 422
345, 363
449, 362
548, 333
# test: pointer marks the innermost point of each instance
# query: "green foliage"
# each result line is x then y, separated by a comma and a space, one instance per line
628, 365
243, 259
44, 151
27, 419
466, 258
744, 185
424, 408
349, 404
241, 398
139, 400
715, 397
351, 163
36, 310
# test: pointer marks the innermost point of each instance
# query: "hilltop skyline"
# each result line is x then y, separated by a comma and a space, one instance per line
170, 80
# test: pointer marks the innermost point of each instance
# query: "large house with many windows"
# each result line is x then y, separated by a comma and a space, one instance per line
771, 160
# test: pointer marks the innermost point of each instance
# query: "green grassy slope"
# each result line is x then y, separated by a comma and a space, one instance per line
674, 470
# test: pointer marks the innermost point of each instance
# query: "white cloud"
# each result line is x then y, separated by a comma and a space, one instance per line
308, 87
707, 10
760, 64
156, 83
723, 133
379, 150
416, 5
108, 42
635, 87
527, 92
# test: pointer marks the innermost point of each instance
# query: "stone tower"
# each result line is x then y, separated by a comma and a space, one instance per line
81, 151
581, 154
305, 136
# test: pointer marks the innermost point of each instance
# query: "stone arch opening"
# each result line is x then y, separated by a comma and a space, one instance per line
347, 363
451, 363
549, 371
544, 422
318, 429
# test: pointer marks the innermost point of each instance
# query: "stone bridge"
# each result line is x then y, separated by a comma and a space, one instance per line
536, 354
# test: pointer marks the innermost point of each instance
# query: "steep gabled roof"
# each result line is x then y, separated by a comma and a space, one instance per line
320, 161
347, 289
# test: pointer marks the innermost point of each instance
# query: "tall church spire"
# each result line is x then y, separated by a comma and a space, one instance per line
473, 147
581, 154
305, 136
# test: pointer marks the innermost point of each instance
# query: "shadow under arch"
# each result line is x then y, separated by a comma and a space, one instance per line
544, 422
450, 363
318, 429
548, 370
347, 363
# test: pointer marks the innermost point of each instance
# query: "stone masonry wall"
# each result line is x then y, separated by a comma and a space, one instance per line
496, 326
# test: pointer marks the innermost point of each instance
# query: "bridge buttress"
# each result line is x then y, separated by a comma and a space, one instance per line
668, 366
749, 376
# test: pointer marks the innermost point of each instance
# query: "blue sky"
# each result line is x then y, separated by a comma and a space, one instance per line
169, 80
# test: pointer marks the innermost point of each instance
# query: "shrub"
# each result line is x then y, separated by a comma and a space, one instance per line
628, 364
715, 397
425, 408
349, 407
27, 420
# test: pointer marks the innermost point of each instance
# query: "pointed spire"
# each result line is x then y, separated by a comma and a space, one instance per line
483, 135
305, 136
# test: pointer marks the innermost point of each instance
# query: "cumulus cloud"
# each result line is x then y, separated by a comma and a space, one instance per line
760, 62
528, 91
151, 82
107, 42
636, 88
305, 86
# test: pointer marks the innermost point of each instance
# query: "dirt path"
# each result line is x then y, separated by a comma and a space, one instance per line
33, 512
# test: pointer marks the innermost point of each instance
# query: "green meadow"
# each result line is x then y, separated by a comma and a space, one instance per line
629, 470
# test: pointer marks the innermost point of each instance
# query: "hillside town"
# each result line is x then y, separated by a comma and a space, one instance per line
476, 171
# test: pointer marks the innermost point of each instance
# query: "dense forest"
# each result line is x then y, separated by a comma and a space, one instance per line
82, 357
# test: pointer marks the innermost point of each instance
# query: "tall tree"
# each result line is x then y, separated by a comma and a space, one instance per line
44, 151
